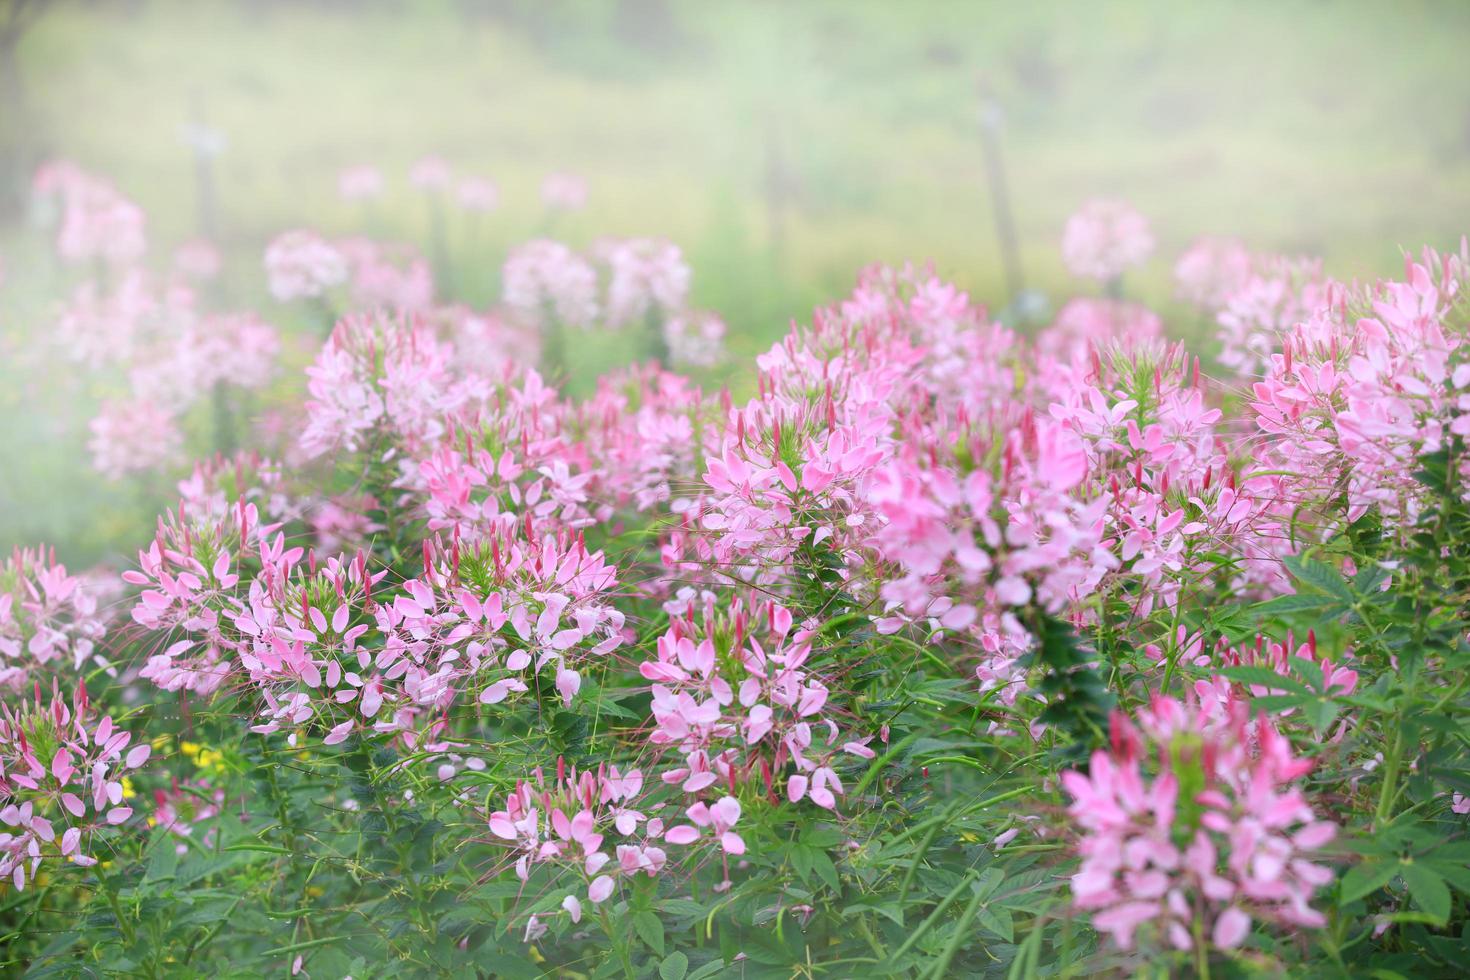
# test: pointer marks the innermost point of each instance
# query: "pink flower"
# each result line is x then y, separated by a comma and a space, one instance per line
546, 281
646, 277
52, 808
1105, 238
301, 265
564, 192
430, 173
694, 339
360, 183
1237, 851
133, 436
97, 222
477, 194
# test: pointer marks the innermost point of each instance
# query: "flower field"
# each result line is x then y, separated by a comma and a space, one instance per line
943, 648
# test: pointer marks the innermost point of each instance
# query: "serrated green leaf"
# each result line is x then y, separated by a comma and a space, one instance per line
1320, 576
1310, 670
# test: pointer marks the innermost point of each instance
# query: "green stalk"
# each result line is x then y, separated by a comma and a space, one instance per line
1389, 790
961, 929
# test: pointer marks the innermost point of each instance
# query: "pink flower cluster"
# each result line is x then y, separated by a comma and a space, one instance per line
1367, 384
61, 782
1104, 239
645, 276
1218, 836
738, 710
380, 378
302, 265
571, 825
50, 623
97, 222
546, 282
156, 351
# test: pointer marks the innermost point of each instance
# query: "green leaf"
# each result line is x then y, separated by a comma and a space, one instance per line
826, 870
1321, 713
1309, 669
1366, 878
1456, 873
163, 863
1322, 577
1429, 890
997, 920
650, 929
1285, 605
682, 906
1265, 677
801, 860
674, 967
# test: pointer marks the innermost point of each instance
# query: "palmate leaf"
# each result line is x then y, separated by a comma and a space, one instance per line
1321, 577
1078, 699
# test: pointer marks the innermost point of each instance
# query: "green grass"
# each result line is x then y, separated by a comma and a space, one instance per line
1338, 129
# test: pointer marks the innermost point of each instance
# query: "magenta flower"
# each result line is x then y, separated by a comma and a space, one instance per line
61, 774
1233, 851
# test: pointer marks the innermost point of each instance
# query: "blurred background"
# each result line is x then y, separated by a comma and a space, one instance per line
782, 145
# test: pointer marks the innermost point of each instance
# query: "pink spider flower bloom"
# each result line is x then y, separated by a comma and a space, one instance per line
583, 825
564, 192
1278, 655
478, 195
97, 328
49, 620
182, 808
1364, 386
489, 344
97, 222
694, 339
755, 713
302, 265
384, 375
238, 349
190, 578
360, 183
133, 436
1254, 317
545, 281
539, 607
1218, 838
1086, 324
61, 782
198, 259
430, 173
1211, 270
645, 277
386, 276
1104, 239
